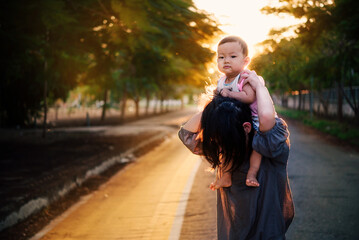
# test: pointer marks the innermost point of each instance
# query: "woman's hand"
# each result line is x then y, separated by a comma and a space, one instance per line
252, 79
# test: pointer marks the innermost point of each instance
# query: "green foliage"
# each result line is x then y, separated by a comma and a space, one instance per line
337, 129
325, 49
283, 68
130, 47
36, 45
329, 33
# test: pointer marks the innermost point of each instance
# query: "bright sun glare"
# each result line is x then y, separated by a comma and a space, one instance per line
244, 18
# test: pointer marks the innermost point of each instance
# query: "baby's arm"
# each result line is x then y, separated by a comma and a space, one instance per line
247, 95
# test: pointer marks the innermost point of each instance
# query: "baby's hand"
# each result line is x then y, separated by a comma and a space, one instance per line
212, 187
225, 92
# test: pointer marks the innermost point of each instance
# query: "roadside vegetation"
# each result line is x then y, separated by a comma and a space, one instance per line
341, 130
107, 52
321, 55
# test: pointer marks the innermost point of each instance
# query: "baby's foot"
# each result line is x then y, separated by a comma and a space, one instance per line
223, 182
251, 181
214, 186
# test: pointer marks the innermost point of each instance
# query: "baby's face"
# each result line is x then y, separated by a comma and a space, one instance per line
230, 59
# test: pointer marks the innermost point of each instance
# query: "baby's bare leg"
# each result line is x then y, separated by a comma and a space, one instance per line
255, 163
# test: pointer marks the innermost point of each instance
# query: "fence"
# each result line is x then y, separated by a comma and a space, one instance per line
330, 95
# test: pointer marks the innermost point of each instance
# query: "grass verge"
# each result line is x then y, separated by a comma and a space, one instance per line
340, 130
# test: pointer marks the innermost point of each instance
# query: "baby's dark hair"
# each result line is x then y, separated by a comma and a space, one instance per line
223, 132
239, 40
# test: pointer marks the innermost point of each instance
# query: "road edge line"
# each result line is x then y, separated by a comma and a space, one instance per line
182, 205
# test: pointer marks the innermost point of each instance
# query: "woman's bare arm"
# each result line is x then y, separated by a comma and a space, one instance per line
194, 123
266, 112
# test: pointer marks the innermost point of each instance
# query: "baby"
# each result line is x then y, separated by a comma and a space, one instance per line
232, 59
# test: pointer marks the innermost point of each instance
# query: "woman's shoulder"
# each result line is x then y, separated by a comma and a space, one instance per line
280, 128
272, 143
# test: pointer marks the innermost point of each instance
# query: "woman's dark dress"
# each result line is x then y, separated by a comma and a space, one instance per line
255, 213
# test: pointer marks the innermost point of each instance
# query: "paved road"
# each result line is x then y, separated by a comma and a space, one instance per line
325, 185
147, 200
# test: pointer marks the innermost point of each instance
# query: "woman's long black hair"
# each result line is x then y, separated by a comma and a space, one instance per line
223, 133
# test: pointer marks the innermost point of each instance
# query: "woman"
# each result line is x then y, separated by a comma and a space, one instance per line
227, 136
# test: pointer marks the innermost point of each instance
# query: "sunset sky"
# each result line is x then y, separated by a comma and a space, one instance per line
243, 18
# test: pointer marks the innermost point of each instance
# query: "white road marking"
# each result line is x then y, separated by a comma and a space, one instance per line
181, 209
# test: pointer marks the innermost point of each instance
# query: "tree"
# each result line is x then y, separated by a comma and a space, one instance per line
153, 43
38, 45
282, 66
330, 31
127, 47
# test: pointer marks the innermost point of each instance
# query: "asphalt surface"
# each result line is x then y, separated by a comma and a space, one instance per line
324, 179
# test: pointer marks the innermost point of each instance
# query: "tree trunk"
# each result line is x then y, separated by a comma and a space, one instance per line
300, 100
45, 89
124, 103
147, 103
339, 102
284, 101
57, 113
137, 105
44, 127
352, 101
161, 105
190, 99
182, 103
155, 106
168, 106
324, 102
356, 115
103, 115
325, 107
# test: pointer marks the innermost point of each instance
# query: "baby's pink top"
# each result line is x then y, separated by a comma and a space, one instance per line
221, 84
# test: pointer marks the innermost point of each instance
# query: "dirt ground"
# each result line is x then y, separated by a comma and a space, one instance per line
31, 166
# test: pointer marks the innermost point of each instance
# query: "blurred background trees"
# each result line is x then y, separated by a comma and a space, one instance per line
112, 51
324, 53
120, 49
